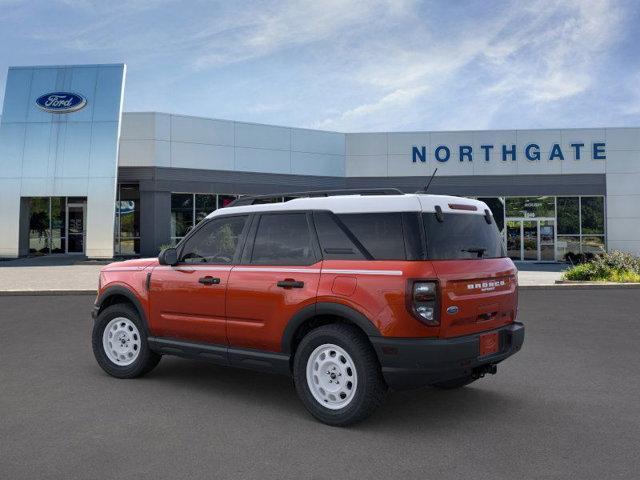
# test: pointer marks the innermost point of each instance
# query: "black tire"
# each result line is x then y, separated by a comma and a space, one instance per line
370, 389
146, 359
455, 383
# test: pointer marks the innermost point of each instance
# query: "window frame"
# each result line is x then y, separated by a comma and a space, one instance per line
247, 250
241, 239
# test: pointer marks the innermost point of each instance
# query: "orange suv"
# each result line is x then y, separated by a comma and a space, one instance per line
350, 294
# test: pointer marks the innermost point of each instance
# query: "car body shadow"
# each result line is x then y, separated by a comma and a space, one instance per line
404, 410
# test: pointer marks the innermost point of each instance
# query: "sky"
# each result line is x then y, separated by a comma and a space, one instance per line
349, 65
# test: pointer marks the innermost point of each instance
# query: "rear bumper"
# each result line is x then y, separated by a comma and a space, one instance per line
411, 362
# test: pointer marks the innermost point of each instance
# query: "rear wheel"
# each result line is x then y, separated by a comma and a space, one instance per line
455, 383
119, 343
337, 375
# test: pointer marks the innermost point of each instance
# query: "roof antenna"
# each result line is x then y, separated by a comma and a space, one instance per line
426, 188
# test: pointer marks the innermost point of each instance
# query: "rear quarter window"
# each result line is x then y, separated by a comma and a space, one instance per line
462, 236
380, 233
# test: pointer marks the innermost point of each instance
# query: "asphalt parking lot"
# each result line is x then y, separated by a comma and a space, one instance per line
567, 406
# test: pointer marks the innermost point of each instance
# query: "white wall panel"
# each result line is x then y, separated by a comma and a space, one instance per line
198, 155
303, 163
623, 139
315, 141
140, 153
262, 136
401, 165
366, 166
401, 143
139, 126
623, 206
623, 161
263, 160
366, 144
202, 130
623, 184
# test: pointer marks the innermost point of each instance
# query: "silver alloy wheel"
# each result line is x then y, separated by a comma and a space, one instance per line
332, 376
121, 341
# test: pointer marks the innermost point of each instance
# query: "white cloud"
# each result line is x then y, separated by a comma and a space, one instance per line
538, 54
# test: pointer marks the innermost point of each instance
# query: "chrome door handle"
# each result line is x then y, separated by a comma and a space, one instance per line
208, 280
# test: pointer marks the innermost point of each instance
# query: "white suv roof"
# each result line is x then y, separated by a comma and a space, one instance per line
411, 202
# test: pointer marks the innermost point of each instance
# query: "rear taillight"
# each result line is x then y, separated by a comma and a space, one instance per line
424, 302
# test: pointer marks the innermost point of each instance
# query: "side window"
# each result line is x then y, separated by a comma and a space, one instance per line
334, 242
283, 239
216, 242
380, 233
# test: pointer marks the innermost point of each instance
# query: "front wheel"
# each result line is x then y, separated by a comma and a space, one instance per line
119, 343
337, 375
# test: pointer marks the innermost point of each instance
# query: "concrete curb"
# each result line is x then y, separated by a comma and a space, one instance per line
22, 293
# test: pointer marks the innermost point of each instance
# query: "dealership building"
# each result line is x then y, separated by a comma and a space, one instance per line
80, 176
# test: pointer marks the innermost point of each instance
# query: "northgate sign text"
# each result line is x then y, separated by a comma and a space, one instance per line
577, 151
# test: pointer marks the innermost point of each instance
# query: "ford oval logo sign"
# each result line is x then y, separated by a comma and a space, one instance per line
61, 102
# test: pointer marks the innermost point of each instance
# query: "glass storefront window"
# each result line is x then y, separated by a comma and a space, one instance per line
181, 214
189, 209
592, 213
568, 216
48, 225
497, 209
593, 244
39, 225
567, 244
224, 200
530, 207
127, 226
205, 204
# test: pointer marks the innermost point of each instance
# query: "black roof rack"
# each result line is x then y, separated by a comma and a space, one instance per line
253, 199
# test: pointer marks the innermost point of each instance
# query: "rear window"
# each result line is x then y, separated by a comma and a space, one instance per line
283, 239
462, 236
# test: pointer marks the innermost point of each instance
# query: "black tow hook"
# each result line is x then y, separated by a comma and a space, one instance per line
480, 372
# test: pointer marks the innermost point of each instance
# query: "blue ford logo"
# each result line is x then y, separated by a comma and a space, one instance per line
452, 310
61, 102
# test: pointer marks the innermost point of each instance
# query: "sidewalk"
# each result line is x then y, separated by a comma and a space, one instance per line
71, 275
48, 274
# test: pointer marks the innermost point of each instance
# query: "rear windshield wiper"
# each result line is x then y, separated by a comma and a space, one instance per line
480, 251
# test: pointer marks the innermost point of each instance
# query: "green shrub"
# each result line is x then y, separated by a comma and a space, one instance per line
615, 266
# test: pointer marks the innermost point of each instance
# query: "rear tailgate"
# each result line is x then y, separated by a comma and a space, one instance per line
476, 295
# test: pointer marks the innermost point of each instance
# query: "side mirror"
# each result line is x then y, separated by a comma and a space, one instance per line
168, 256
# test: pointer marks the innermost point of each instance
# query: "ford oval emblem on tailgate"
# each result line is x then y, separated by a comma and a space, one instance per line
452, 310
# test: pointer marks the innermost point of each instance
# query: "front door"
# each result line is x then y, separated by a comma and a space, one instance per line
75, 227
279, 276
187, 300
531, 239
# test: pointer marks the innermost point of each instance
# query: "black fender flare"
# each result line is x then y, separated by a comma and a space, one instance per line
128, 294
325, 308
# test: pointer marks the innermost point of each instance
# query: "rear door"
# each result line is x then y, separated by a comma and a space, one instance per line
478, 283
278, 276
188, 299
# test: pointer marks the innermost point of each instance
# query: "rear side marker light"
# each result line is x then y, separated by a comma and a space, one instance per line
424, 305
